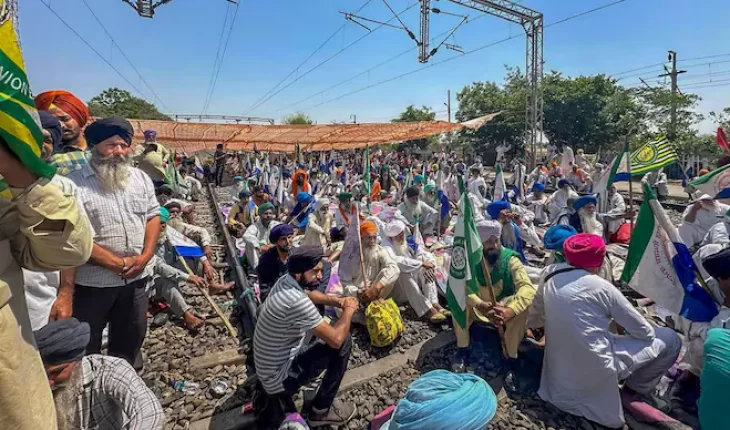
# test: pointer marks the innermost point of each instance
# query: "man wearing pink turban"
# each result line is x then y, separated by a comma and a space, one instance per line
584, 359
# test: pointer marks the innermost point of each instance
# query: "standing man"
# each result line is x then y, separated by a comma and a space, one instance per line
41, 229
220, 164
152, 157
124, 213
73, 115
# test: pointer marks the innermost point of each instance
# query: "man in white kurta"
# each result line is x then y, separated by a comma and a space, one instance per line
559, 199
536, 201
584, 361
256, 238
657, 180
418, 212
416, 283
699, 217
615, 211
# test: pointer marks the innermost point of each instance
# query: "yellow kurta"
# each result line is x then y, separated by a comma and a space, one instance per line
519, 303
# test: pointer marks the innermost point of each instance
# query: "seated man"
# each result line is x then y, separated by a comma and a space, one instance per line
554, 238
237, 187
585, 219
559, 199
584, 361
513, 291
284, 356
699, 217
719, 234
241, 215
417, 212
511, 236
272, 263
715, 381
381, 271
536, 201
96, 391
417, 281
577, 179
199, 235
256, 238
344, 211
616, 211
195, 188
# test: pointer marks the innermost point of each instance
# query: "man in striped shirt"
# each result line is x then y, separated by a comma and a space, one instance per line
285, 356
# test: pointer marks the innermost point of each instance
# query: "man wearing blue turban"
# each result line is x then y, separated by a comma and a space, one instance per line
585, 219
511, 236
536, 202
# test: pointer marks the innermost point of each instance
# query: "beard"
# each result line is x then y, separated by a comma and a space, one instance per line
175, 222
368, 252
65, 397
311, 285
492, 256
400, 249
589, 223
414, 209
112, 171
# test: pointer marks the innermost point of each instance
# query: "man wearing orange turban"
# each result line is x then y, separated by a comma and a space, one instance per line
300, 182
71, 111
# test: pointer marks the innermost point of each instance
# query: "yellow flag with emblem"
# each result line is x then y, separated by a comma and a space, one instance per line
19, 122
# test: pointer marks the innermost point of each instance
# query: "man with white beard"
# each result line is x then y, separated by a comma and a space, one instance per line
381, 271
699, 217
418, 213
559, 200
615, 215
416, 282
125, 216
585, 219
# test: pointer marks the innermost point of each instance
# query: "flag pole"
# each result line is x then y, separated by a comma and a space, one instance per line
356, 210
493, 299
631, 179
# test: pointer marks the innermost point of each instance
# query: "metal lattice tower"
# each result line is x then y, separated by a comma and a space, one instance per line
532, 22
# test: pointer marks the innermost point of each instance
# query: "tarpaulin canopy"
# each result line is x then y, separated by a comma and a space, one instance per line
192, 137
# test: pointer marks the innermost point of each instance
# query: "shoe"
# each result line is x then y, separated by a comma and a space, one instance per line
340, 413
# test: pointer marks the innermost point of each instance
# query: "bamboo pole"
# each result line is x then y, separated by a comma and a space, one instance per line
217, 309
631, 180
356, 211
493, 299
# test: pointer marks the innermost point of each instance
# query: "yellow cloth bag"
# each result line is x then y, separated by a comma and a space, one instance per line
382, 318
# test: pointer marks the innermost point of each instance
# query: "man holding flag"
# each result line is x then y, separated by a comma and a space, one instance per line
503, 300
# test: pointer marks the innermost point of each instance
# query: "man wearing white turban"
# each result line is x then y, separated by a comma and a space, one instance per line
318, 224
416, 282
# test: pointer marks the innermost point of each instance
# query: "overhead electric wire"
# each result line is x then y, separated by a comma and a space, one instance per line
119, 48
48, 6
222, 58
217, 58
322, 45
326, 60
489, 45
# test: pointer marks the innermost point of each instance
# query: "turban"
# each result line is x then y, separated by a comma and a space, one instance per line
150, 133
265, 207
62, 341
562, 183
173, 204
494, 208
65, 101
53, 125
439, 390
164, 215
304, 258
164, 189
344, 196
244, 194
237, 178
303, 197
279, 231
556, 235
394, 228
585, 250
286, 174
105, 128
718, 264
489, 228
412, 191
418, 179
539, 188
368, 227
322, 202
428, 188
703, 172
584, 200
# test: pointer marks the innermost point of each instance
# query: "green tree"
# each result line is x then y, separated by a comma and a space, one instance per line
297, 118
722, 118
414, 114
115, 101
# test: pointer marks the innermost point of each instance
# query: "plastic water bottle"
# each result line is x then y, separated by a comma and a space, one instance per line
184, 386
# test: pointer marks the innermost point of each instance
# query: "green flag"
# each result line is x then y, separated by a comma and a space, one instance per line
466, 260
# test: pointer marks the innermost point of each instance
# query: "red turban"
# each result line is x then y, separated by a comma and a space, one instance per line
368, 227
65, 101
584, 250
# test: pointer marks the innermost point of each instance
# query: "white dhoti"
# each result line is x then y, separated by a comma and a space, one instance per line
642, 364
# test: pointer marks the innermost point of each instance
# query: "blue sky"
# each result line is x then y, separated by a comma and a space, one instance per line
176, 50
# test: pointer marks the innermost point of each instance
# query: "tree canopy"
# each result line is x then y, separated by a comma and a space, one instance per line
300, 118
414, 114
115, 101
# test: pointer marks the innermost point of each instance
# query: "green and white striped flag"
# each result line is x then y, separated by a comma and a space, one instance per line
653, 156
466, 260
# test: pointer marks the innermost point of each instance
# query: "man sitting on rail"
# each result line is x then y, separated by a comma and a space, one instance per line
241, 215
256, 237
584, 361
284, 356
